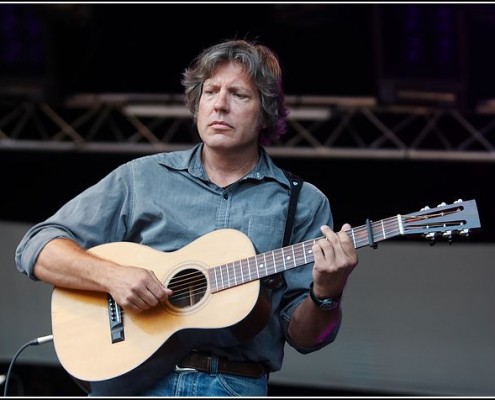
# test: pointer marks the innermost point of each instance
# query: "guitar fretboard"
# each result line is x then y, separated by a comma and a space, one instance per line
272, 262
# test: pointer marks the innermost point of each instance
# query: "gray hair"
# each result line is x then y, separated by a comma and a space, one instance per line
260, 63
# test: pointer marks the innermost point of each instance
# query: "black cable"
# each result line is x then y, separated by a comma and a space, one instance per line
34, 342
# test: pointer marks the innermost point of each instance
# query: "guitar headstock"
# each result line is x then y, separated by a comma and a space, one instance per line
445, 220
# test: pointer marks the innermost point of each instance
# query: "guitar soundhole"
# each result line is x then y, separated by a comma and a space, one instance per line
189, 287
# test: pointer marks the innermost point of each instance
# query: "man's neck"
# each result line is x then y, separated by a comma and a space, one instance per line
225, 168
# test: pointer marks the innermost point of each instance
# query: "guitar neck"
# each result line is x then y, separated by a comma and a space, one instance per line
446, 219
272, 262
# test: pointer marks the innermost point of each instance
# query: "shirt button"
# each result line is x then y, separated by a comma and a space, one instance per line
225, 196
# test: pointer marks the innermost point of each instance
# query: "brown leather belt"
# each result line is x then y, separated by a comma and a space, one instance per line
205, 363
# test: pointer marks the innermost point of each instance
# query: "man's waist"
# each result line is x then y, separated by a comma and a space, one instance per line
211, 363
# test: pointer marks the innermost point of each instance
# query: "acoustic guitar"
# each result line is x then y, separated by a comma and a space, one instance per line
216, 299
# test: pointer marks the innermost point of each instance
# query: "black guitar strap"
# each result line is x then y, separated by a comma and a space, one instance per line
295, 187
295, 184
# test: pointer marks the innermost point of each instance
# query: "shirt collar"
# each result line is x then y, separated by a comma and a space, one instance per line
190, 160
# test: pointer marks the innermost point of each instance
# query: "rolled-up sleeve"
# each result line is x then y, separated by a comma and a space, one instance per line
95, 216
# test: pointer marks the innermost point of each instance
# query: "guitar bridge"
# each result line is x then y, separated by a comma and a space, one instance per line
115, 313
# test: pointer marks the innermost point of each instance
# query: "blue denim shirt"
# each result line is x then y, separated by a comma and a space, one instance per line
166, 201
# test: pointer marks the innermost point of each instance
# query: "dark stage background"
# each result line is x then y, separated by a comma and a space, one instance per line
325, 49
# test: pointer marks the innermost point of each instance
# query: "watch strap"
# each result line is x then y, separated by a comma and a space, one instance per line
325, 304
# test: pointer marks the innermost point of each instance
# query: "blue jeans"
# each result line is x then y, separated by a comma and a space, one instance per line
196, 383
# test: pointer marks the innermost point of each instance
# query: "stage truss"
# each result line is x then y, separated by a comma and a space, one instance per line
319, 127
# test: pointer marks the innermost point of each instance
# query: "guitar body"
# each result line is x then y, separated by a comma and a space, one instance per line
154, 341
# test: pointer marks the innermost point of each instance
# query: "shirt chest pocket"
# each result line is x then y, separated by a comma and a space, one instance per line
266, 233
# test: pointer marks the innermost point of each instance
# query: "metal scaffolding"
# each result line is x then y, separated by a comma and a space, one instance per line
319, 127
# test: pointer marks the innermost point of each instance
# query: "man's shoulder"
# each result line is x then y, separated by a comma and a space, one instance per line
309, 192
176, 158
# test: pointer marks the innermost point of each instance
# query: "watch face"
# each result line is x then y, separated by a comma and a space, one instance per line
328, 304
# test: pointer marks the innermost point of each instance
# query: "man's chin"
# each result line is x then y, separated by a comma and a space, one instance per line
219, 142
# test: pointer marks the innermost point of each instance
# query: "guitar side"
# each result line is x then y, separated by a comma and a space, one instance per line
80, 319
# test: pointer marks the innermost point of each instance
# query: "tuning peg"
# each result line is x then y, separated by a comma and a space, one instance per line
425, 208
448, 235
464, 232
432, 236
458, 201
442, 204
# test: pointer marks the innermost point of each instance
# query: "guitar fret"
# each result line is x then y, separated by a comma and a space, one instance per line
227, 280
236, 271
283, 259
265, 265
246, 261
276, 260
217, 281
215, 277
228, 274
227, 271
235, 274
255, 269
238, 277
220, 282
221, 277
247, 273
304, 252
399, 222
353, 238
378, 232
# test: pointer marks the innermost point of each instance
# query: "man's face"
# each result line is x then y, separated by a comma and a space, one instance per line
229, 109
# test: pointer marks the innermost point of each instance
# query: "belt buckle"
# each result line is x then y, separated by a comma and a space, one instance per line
184, 369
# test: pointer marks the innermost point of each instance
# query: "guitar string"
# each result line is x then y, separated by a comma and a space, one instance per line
192, 285
381, 229
360, 235
278, 257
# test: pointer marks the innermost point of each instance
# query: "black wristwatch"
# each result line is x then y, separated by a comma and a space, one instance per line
326, 304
